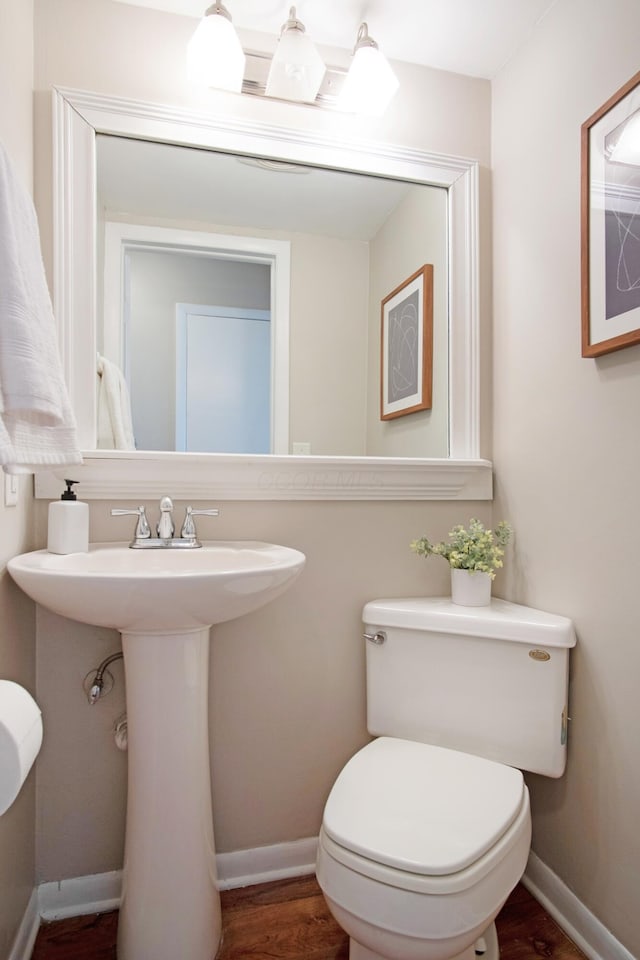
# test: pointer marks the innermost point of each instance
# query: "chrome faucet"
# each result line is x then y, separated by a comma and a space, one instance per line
165, 528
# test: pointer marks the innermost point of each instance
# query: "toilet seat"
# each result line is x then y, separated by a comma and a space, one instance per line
400, 815
423, 817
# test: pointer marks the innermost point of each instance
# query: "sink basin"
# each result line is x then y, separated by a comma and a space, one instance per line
164, 602
149, 590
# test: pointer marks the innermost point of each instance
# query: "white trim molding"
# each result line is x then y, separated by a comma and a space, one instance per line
79, 896
580, 925
243, 868
78, 116
25, 938
99, 893
121, 475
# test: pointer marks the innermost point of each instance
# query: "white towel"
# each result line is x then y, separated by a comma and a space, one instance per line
37, 426
115, 429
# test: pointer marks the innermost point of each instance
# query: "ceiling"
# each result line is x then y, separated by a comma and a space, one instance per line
143, 179
474, 37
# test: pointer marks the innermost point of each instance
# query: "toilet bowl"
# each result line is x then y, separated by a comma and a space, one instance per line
427, 829
420, 847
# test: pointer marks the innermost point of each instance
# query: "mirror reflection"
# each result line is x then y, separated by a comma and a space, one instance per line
241, 303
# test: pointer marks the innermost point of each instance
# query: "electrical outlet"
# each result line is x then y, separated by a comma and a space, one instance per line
10, 490
301, 449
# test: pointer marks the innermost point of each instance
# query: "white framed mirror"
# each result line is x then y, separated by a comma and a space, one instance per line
79, 118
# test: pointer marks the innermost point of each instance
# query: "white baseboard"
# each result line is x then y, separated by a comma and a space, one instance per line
586, 931
27, 931
101, 892
243, 868
80, 895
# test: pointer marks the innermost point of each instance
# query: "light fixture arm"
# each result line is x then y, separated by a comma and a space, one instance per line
363, 39
292, 23
217, 8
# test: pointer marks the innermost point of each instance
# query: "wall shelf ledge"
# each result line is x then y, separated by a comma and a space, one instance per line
121, 475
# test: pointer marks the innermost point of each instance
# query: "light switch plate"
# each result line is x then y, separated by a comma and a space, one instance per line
10, 490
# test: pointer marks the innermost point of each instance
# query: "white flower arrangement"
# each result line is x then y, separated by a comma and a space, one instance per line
476, 548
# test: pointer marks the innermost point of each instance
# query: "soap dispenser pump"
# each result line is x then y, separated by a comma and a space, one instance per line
68, 523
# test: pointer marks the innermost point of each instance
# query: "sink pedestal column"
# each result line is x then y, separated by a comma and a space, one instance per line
170, 906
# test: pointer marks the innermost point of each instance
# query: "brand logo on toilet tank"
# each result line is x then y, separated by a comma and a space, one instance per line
540, 655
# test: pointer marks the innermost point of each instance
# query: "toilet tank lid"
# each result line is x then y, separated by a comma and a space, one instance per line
501, 620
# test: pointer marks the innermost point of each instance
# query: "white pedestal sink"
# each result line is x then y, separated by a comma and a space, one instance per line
164, 602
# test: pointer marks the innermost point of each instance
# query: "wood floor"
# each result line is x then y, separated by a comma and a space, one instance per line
288, 920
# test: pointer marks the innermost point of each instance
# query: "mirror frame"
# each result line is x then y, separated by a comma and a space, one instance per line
107, 474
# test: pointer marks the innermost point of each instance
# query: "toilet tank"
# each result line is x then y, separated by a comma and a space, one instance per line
492, 681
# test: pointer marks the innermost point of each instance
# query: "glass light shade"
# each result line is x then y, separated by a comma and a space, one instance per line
297, 69
214, 55
369, 85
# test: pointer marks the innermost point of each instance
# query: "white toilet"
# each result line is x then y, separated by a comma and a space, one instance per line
427, 829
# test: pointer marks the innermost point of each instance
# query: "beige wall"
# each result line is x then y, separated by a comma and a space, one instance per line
567, 448
328, 344
415, 234
17, 627
287, 703
16, 83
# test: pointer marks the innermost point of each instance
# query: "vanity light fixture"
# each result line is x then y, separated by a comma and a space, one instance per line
296, 72
297, 69
214, 55
370, 83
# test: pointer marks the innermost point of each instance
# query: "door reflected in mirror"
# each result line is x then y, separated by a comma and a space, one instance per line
223, 379
221, 272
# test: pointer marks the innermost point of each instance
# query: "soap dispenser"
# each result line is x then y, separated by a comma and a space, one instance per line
68, 523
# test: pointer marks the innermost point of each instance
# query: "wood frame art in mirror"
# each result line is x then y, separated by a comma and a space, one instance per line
406, 348
610, 223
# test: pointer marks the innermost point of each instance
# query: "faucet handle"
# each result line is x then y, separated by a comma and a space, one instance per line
188, 527
143, 530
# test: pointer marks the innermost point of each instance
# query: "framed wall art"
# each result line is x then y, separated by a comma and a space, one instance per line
610, 223
406, 362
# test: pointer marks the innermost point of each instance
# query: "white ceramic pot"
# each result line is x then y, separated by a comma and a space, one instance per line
470, 588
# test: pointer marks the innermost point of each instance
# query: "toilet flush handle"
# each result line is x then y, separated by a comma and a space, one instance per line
378, 637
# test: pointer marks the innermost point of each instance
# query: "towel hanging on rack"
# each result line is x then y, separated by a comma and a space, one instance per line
115, 429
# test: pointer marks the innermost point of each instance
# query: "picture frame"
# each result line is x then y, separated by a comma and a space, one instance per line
610, 223
406, 355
